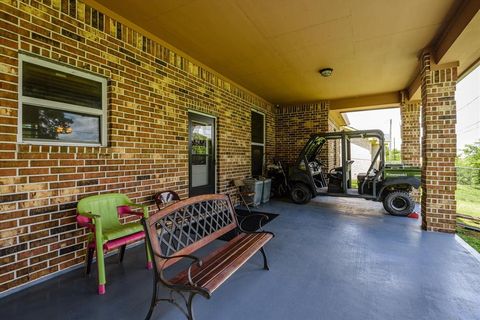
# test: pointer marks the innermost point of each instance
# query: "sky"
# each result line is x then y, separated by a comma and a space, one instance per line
468, 109
467, 97
378, 119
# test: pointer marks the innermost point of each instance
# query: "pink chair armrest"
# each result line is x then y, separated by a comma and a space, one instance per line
126, 210
85, 222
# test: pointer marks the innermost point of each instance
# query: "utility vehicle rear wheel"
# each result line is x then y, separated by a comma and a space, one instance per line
300, 193
399, 203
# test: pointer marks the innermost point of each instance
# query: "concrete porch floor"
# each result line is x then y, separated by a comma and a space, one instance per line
326, 263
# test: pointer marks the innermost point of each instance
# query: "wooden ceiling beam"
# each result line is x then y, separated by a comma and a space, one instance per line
370, 102
461, 18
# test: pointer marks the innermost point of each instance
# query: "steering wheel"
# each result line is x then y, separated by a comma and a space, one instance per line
319, 162
338, 173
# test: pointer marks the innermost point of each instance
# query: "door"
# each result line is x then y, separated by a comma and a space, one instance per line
201, 149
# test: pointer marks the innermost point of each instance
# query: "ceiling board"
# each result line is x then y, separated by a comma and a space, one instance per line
276, 47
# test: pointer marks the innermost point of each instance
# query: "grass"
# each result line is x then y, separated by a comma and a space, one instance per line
470, 237
354, 183
468, 203
468, 200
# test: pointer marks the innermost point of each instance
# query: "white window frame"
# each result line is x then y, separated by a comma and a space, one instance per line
102, 113
264, 136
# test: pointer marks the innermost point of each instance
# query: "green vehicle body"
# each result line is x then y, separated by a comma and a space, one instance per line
308, 175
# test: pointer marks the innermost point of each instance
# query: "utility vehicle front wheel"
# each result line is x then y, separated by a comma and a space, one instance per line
399, 203
300, 193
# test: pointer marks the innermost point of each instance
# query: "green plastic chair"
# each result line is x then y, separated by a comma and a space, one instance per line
101, 215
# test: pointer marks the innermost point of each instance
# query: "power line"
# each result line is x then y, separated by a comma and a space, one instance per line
466, 105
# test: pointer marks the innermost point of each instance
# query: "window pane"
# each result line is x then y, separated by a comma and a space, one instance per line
45, 83
257, 160
257, 127
49, 124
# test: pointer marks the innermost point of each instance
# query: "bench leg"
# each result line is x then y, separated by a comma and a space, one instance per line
265, 262
149, 256
153, 301
191, 316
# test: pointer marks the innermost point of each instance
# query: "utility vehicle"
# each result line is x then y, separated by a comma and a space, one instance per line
390, 184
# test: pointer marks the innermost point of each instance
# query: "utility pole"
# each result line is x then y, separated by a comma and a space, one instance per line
390, 140
393, 149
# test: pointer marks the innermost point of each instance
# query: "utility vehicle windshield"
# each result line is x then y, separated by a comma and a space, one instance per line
313, 147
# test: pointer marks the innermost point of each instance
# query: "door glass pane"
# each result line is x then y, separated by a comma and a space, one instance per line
49, 84
200, 152
39, 123
257, 160
257, 127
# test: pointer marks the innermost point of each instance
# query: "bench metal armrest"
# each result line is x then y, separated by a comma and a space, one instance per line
191, 285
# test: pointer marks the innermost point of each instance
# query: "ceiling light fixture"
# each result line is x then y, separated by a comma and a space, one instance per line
326, 72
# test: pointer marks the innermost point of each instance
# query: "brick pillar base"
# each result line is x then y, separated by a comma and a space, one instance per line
438, 145
411, 151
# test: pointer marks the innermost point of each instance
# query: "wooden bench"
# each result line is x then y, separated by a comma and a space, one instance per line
177, 231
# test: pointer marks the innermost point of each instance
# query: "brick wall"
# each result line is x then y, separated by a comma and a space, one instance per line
410, 131
438, 146
410, 113
334, 148
150, 90
294, 124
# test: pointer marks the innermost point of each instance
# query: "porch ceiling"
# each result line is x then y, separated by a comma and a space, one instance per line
275, 48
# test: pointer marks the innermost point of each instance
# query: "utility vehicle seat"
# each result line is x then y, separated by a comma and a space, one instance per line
335, 178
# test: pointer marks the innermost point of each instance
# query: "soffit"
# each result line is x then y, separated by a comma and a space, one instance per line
276, 47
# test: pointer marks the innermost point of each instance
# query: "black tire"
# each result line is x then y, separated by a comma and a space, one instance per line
399, 203
300, 193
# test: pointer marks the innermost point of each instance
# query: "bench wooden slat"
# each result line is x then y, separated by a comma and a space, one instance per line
214, 282
220, 264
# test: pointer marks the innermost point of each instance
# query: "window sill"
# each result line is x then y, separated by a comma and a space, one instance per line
61, 144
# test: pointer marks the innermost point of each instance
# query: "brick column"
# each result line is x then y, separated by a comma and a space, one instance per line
411, 151
438, 145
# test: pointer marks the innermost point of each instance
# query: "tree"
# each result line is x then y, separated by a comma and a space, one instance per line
392, 155
471, 159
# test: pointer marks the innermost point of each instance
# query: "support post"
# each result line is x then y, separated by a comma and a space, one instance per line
410, 131
438, 83
411, 151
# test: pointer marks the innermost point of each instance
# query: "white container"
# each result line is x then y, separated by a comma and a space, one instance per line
267, 186
256, 187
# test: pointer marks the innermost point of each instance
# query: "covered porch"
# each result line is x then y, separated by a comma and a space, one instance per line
136, 97
327, 262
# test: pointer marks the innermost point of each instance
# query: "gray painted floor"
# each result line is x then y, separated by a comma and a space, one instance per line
330, 260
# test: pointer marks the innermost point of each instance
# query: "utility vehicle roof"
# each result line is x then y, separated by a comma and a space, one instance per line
351, 134
317, 140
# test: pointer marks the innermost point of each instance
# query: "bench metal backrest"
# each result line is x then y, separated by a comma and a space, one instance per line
188, 225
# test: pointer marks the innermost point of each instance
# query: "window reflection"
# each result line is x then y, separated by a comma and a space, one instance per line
41, 123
